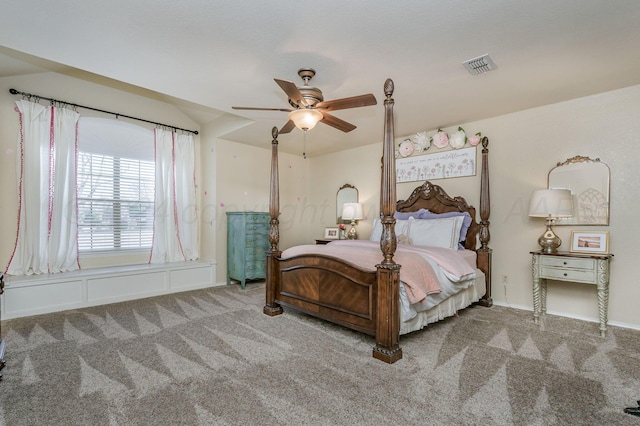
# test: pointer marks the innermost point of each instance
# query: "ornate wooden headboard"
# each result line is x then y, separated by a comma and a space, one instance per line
433, 198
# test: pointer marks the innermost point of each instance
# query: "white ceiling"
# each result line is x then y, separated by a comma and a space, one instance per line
209, 55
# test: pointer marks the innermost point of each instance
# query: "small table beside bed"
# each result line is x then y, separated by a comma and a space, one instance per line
427, 258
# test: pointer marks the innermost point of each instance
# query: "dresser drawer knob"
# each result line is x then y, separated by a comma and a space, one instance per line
565, 274
564, 263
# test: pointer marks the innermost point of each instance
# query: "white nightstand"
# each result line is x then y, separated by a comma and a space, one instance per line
573, 267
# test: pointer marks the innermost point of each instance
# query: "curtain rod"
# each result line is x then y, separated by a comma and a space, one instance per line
29, 95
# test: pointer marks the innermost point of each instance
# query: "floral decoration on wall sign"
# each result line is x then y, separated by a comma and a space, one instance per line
443, 155
421, 142
440, 139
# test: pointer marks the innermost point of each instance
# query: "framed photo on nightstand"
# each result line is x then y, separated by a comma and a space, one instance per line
331, 233
589, 242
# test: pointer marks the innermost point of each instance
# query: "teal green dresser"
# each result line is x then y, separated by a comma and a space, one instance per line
247, 245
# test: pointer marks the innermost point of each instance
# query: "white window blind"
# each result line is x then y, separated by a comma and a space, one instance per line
115, 177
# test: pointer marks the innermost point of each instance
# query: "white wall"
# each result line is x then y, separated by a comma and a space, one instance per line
524, 146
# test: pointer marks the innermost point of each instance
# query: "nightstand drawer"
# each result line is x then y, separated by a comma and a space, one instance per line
578, 275
566, 262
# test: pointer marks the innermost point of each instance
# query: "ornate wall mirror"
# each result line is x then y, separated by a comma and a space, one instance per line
346, 194
588, 181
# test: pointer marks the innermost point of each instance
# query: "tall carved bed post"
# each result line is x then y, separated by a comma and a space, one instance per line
271, 308
484, 252
387, 348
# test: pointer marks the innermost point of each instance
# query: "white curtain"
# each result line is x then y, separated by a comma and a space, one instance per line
175, 226
47, 218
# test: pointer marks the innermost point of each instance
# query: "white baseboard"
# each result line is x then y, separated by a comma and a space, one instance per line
33, 295
564, 314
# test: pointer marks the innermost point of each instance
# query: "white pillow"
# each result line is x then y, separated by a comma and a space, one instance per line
443, 232
376, 232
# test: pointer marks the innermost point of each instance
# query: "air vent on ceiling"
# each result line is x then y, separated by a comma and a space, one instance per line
480, 65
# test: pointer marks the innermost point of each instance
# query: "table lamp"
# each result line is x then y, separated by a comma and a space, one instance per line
550, 204
352, 212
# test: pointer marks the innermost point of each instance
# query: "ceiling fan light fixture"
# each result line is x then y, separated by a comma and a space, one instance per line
305, 119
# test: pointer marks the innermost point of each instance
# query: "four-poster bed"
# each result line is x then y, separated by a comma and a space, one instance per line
368, 299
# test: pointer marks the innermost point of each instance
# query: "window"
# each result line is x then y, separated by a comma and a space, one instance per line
115, 202
116, 176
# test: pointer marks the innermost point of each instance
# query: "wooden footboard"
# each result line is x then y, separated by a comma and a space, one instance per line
327, 288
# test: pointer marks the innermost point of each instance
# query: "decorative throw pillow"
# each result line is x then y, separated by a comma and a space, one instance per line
443, 232
427, 214
407, 215
376, 233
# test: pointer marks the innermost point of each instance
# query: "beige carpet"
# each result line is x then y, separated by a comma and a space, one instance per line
211, 357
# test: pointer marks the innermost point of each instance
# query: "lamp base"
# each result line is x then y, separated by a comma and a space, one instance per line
549, 241
352, 234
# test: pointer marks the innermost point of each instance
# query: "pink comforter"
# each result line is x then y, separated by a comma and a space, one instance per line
417, 274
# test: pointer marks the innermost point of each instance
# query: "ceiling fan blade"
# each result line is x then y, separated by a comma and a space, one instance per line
345, 103
263, 109
292, 92
288, 127
334, 121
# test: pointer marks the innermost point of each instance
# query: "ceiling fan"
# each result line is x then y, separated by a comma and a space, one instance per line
309, 107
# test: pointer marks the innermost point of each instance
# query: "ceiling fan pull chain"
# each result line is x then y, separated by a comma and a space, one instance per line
304, 145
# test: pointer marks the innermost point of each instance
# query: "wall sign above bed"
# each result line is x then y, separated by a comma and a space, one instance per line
450, 156
440, 165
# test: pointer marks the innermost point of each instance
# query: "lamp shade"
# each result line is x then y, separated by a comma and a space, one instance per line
305, 119
551, 203
352, 211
